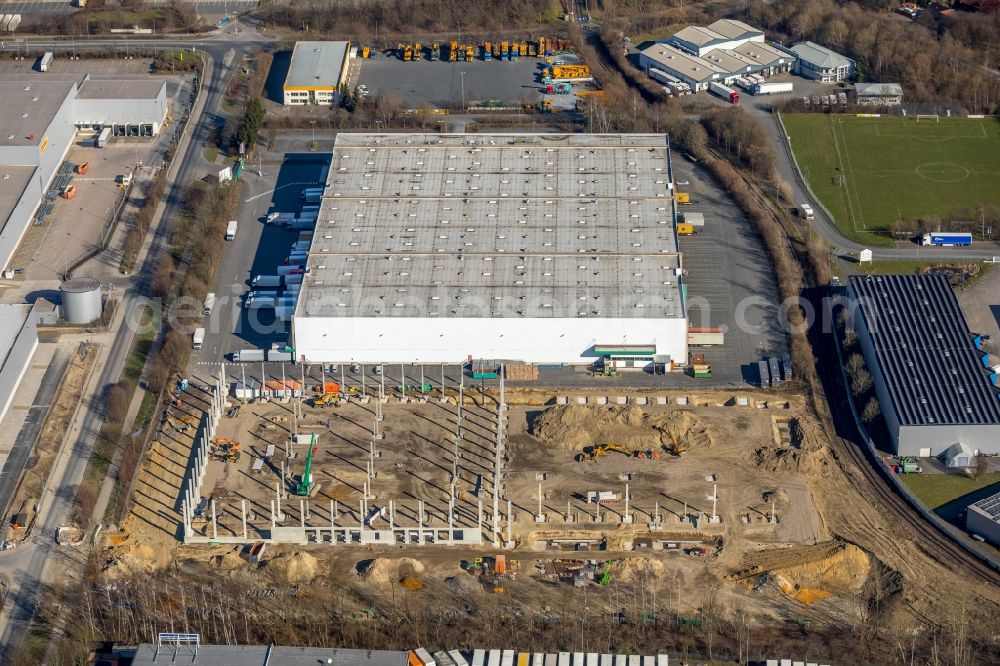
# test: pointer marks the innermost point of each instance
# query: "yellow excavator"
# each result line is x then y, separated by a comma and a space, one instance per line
325, 399
600, 450
675, 448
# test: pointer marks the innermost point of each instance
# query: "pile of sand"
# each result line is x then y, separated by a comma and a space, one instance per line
385, 571
129, 558
635, 569
786, 459
295, 568
228, 561
574, 427
844, 572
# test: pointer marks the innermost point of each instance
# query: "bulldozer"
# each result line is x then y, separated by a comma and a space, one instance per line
325, 400
601, 450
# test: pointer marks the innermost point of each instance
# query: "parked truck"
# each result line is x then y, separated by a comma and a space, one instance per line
946, 239
45, 62
265, 281
209, 304
725, 92
231, 230
248, 355
771, 88
274, 355
198, 339
291, 269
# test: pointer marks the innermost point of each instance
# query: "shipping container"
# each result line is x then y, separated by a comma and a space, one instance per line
694, 219
293, 279
493, 659
302, 223
198, 339
704, 337
786, 366
507, 657
684, 229
765, 374
289, 269
231, 230
775, 369
103, 137
479, 658
45, 62
457, 657
248, 355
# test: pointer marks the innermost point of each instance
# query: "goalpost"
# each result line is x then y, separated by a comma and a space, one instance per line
928, 116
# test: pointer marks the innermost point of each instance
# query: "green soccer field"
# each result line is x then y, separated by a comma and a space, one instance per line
869, 172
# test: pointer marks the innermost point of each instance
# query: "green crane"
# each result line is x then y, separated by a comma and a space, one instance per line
306, 484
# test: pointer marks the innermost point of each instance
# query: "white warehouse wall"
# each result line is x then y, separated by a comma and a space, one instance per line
431, 340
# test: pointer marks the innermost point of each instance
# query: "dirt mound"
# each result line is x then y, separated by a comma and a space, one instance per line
844, 572
295, 568
634, 569
787, 459
228, 561
463, 584
127, 558
386, 571
573, 427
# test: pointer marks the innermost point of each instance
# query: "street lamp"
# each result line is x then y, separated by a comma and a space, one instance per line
463, 90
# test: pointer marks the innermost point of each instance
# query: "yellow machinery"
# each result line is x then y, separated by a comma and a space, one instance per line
682, 197
684, 229
569, 71
227, 450
541, 47
325, 399
418, 53
600, 450
487, 50
676, 448
590, 93
523, 48
470, 52
547, 105
365, 51
496, 50
407, 51
453, 51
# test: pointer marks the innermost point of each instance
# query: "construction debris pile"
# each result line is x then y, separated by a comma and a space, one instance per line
577, 427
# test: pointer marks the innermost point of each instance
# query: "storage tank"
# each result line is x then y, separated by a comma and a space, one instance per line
81, 300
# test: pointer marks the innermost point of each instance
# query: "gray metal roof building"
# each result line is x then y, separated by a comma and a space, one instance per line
316, 71
983, 518
495, 246
929, 376
820, 63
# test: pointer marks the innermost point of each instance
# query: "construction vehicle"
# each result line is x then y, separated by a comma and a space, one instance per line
365, 51
683, 197
590, 93
648, 454
676, 448
435, 53
82, 168
505, 50
453, 51
326, 400
487, 52
514, 50
523, 48
306, 485
406, 51
226, 450
496, 50
69, 192
701, 370
418, 51
560, 88
541, 47
546, 105
601, 450
470, 52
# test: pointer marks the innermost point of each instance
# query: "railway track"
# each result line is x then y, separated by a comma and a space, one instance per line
935, 540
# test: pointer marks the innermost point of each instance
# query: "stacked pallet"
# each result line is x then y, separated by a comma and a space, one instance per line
520, 372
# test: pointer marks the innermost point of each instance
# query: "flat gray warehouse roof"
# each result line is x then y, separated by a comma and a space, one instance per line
423, 225
120, 89
934, 374
316, 64
27, 108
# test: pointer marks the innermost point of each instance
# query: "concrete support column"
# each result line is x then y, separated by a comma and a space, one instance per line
215, 523
243, 515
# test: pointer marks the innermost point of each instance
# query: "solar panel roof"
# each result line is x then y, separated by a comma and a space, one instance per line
924, 349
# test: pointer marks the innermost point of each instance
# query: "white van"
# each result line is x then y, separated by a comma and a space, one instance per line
806, 211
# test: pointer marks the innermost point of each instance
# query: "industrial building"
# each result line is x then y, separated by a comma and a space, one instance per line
723, 52
18, 340
543, 248
983, 518
316, 72
821, 64
879, 94
40, 116
930, 377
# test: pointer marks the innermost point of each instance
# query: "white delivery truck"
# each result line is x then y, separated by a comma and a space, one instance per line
198, 339
209, 304
806, 211
45, 62
231, 230
102, 139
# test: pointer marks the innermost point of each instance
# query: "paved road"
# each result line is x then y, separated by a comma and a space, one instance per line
27, 567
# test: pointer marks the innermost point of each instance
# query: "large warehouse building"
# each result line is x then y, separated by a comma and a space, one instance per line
723, 51
316, 72
40, 116
539, 248
930, 378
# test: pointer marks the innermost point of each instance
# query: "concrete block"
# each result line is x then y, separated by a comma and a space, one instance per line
742, 400
581, 400
601, 400
642, 400
682, 400
621, 400
628, 520
561, 400
661, 399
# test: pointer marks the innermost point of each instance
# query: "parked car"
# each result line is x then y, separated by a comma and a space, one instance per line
683, 181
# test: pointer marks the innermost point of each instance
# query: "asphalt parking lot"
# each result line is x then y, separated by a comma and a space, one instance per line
730, 280
257, 250
429, 84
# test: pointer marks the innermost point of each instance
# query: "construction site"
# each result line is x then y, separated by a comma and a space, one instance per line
493, 491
